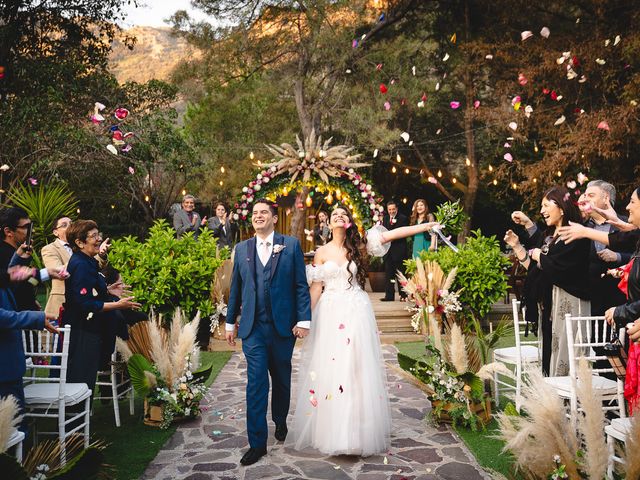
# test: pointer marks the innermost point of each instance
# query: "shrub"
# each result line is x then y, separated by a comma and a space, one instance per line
165, 272
481, 277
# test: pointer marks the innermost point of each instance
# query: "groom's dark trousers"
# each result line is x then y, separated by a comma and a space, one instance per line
266, 353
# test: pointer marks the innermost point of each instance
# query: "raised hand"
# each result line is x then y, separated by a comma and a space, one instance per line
104, 247
520, 218
511, 239
127, 303
571, 232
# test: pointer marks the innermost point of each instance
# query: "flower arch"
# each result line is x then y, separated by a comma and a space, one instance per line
326, 170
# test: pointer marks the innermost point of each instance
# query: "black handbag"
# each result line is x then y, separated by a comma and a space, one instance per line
617, 356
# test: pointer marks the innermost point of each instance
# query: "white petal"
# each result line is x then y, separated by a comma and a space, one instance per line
112, 149
446, 57
560, 120
513, 126
375, 153
617, 40
545, 32
405, 136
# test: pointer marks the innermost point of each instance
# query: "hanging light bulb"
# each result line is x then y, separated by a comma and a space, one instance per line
222, 169
338, 194
454, 180
514, 186
404, 200
259, 162
559, 173
113, 206
184, 192
398, 158
393, 169
308, 202
406, 170
251, 155
146, 198
467, 162
329, 198
77, 210
490, 168
535, 146
221, 183
439, 173
285, 192
495, 182
535, 180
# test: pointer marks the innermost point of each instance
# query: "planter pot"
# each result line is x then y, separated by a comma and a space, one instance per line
377, 281
152, 414
481, 409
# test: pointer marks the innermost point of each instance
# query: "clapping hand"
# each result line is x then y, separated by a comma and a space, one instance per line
127, 303
203, 221
104, 247
119, 289
511, 239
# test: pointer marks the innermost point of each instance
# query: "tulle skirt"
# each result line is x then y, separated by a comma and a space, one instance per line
342, 403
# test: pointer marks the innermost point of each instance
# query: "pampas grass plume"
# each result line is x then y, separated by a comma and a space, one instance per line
123, 349
632, 448
457, 350
9, 420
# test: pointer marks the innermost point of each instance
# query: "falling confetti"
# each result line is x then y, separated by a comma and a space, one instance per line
341, 326
454, 105
446, 57
405, 136
545, 32
383, 88
571, 184
513, 126
525, 35
112, 149
522, 80
600, 61
603, 125
582, 178
476, 104
617, 40
387, 105
437, 86
560, 120
131, 170
375, 153
508, 157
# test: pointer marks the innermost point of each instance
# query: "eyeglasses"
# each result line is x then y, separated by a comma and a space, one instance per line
26, 225
95, 235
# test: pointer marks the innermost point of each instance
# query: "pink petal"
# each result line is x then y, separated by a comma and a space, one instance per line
603, 125
507, 145
508, 157
131, 170
476, 104
526, 34
522, 80
515, 100
432, 180
454, 105
387, 105
341, 326
83, 291
571, 184
312, 399
33, 181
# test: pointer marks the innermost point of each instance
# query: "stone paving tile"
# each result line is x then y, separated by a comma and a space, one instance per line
211, 447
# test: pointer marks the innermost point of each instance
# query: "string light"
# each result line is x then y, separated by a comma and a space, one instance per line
251, 155
467, 161
535, 180
454, 180
514, 186
495, 182
329, 198
221, 183
404, 200
146, 198
439, 174
184, 192
338, 194
490, 168
113, 207
393, 169
559, 173
308, 201
406, 170
222, 169
398, 158
535, 147
78, 210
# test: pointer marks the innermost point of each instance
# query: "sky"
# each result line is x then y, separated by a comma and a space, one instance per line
153, 12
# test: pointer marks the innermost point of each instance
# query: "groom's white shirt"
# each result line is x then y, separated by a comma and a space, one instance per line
260, 251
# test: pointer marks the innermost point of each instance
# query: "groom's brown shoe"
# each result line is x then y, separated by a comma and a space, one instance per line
253, 455
281, 432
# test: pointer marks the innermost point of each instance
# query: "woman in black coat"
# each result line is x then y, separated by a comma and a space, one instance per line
87, 303
557, 276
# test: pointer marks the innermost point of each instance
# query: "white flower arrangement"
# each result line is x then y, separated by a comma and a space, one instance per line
278, 248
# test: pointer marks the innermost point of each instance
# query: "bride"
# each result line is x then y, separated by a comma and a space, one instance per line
342, 405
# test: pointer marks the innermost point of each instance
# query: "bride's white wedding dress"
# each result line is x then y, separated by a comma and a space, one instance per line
342, 404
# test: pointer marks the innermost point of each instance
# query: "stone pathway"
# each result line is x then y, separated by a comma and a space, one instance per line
211, 447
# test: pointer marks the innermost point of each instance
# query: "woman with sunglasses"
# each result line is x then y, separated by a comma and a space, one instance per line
557, 275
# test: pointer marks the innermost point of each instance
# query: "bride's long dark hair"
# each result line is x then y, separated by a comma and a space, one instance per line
355, 245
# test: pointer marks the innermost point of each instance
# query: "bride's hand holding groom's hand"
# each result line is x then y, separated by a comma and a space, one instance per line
300, 332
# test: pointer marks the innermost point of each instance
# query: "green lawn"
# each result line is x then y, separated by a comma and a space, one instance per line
486, 449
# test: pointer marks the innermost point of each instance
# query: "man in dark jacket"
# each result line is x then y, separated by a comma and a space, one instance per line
393, 260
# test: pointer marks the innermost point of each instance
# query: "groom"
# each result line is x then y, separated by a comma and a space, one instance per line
269, 282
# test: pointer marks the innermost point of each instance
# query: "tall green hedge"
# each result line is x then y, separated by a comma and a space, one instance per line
165, 272
481, 272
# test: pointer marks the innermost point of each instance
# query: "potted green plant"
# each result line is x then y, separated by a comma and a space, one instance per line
376, 274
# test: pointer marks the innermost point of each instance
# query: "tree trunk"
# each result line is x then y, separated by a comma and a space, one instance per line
299, 215
472, 168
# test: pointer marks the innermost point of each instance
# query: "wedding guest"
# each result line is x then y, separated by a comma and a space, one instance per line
393, 261
57, 254
321, 229
186, 219
420, 214
87, 303
223, 227
560, 273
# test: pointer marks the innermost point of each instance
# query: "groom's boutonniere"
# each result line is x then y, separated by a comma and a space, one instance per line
278, 248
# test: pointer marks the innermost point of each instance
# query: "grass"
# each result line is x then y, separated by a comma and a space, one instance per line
486, 449
133, 445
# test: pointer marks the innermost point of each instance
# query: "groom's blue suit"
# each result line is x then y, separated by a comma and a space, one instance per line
274, 297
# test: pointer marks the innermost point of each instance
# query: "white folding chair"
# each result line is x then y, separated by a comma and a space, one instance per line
617, 430
583, 334
16, 438
49, 397
525, 352
120, 385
